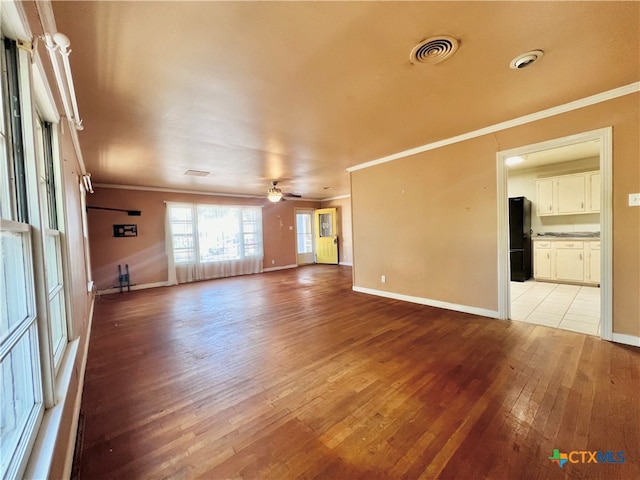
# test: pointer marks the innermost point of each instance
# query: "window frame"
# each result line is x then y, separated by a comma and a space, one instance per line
195, 235
39, 158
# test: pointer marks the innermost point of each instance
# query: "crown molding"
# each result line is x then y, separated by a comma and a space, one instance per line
533, 117
193, 192
339, 197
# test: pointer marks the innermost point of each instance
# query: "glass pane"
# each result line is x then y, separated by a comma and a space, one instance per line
249, 227
182, 241
58, 324
218, 233
51, 259
305, 243
19, 400
181, 214
182, 228
326, 225
14, 297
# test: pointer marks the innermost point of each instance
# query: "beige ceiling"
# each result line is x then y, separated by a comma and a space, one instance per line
299, 91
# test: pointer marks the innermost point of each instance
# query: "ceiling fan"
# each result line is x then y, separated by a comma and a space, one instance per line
274, 194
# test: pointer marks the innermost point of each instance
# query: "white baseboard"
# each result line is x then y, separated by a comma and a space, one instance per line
626, 339
427, 301
143, 286
284, 267
346, 264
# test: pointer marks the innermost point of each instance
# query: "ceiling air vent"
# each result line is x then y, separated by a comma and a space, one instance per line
434, 50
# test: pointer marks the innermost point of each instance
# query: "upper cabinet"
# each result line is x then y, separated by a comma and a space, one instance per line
593, 190
568, 194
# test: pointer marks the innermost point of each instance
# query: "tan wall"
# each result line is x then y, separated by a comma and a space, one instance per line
345, 237
145, 254
434, 233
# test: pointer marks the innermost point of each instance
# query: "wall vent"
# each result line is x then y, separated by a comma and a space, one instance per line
434, 50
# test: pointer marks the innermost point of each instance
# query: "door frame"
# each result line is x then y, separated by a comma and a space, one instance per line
604, 135
313, 236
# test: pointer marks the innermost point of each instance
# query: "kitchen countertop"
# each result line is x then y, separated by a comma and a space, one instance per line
570, 239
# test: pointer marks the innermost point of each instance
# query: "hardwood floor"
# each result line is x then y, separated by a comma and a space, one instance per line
291, 374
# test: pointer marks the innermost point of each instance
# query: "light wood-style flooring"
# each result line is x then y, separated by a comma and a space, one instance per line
291, 374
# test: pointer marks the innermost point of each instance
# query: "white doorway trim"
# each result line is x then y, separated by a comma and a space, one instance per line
604, 135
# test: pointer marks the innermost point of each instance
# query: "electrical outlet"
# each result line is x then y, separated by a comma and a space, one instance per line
383, 278
273, 262
634, 199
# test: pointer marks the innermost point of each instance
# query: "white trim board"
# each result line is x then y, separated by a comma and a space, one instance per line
626, 339
533, 117
346, 264
143, 286
483, 312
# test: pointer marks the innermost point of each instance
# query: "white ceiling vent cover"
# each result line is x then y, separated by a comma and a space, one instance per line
434, 50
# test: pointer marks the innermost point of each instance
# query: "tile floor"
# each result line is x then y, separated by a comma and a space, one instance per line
570, 307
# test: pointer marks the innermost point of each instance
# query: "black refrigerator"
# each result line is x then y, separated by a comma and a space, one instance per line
520, 238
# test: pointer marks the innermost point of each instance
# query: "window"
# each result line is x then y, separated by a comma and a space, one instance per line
22, 402
32, 340
210, 241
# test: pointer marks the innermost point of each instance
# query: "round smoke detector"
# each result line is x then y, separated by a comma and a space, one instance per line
526, 59
434, 50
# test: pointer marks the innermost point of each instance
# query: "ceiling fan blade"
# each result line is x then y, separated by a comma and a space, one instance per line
292, 195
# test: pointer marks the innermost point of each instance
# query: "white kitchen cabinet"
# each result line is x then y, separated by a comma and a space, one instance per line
569, 261
593, 192
592, 268
542, 260
544, 197
568, 194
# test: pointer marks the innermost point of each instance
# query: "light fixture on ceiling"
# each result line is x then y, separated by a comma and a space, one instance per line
58, 42
434, 50
511, 161
526, 59
274, 194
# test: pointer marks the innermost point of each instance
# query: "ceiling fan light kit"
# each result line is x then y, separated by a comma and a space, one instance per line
274, 194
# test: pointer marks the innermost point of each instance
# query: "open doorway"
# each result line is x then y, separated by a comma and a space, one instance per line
568, 183
305, 253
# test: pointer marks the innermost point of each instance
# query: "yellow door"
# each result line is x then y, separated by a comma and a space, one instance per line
326, 236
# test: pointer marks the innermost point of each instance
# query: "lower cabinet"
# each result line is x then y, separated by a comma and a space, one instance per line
592, 268
567, 261
542, 260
